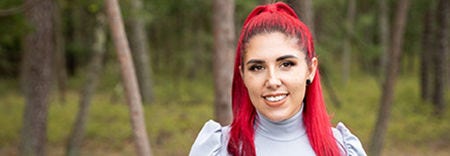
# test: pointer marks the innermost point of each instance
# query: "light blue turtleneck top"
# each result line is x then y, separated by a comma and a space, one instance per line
285, 138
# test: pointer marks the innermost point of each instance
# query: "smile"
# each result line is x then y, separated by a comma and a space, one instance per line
275, 98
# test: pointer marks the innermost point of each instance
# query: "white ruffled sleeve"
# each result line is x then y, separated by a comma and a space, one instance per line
209, 141
348, 142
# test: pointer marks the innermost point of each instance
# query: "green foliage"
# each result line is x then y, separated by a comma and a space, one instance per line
109, 122
418, 114
181, 43
359, 101
411, 124
180, 36
183, 106
11, 108
242, 9
12, 29
180, 32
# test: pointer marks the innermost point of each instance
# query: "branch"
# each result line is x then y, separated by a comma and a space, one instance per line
18, 9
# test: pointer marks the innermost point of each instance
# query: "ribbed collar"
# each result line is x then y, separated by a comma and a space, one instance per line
286, 130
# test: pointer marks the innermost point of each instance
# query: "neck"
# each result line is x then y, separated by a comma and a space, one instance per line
285, 130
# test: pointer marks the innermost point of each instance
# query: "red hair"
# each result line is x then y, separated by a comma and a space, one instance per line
278, 17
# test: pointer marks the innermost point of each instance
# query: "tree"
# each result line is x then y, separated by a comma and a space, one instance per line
139, 48
94, 69
391, 77
265, 2
128, 77
224, 36
60, 58
347, 51
15, 10
305, 11
425, 57
37, 76
383, 19
78, 27
440, 57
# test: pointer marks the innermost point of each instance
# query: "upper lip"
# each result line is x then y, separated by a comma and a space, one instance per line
274, 94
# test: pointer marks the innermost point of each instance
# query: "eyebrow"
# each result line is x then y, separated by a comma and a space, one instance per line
285, 57
255, 61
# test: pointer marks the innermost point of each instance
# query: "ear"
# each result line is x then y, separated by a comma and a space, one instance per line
241, 71
312, 68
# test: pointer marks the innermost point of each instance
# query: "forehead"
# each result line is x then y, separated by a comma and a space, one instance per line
271, 46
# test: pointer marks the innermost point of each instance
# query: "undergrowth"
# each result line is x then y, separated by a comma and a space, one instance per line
182, 106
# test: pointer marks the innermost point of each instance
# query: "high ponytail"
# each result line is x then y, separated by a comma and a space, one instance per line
277, 17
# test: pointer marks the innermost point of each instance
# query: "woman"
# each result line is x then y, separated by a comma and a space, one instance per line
277, 100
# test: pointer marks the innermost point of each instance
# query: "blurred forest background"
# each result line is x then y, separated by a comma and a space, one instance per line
57, 58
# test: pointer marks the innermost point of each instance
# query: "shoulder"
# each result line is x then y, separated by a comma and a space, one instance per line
348, 142
212, 140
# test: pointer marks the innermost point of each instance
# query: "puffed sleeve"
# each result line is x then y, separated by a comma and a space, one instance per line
209, 141
348, 142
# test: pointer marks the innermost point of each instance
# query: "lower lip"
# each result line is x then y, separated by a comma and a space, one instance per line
276, 103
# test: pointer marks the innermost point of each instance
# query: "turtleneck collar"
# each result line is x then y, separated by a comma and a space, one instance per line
286, 130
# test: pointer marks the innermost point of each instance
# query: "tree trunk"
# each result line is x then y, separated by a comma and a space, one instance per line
347, 51
36, 77
139, 48
224, 36
440, 57
129, 78
391, 76
94, 69
425, 57
384, 34
60, 57
305, 11
198, 50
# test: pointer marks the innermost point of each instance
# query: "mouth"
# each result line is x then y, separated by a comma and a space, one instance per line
275, 99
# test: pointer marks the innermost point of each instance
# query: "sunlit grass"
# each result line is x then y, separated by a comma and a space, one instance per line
359, 103
182, 107
11, 108
411, 124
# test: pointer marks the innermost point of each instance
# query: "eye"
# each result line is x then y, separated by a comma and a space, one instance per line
256, 68
287, 64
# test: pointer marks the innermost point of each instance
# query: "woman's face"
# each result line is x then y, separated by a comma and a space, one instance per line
274, 70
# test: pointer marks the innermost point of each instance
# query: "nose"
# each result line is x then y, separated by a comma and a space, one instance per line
273, 81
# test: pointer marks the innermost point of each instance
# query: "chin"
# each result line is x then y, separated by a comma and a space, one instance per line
276, 118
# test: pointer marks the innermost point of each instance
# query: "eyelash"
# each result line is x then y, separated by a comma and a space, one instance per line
256, 68
286, 64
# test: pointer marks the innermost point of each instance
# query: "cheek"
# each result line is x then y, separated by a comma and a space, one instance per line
294, 78
252, 83
252, 80
295, 82
296, 85
255, 86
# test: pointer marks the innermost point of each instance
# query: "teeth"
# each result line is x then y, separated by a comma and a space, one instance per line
275, 98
